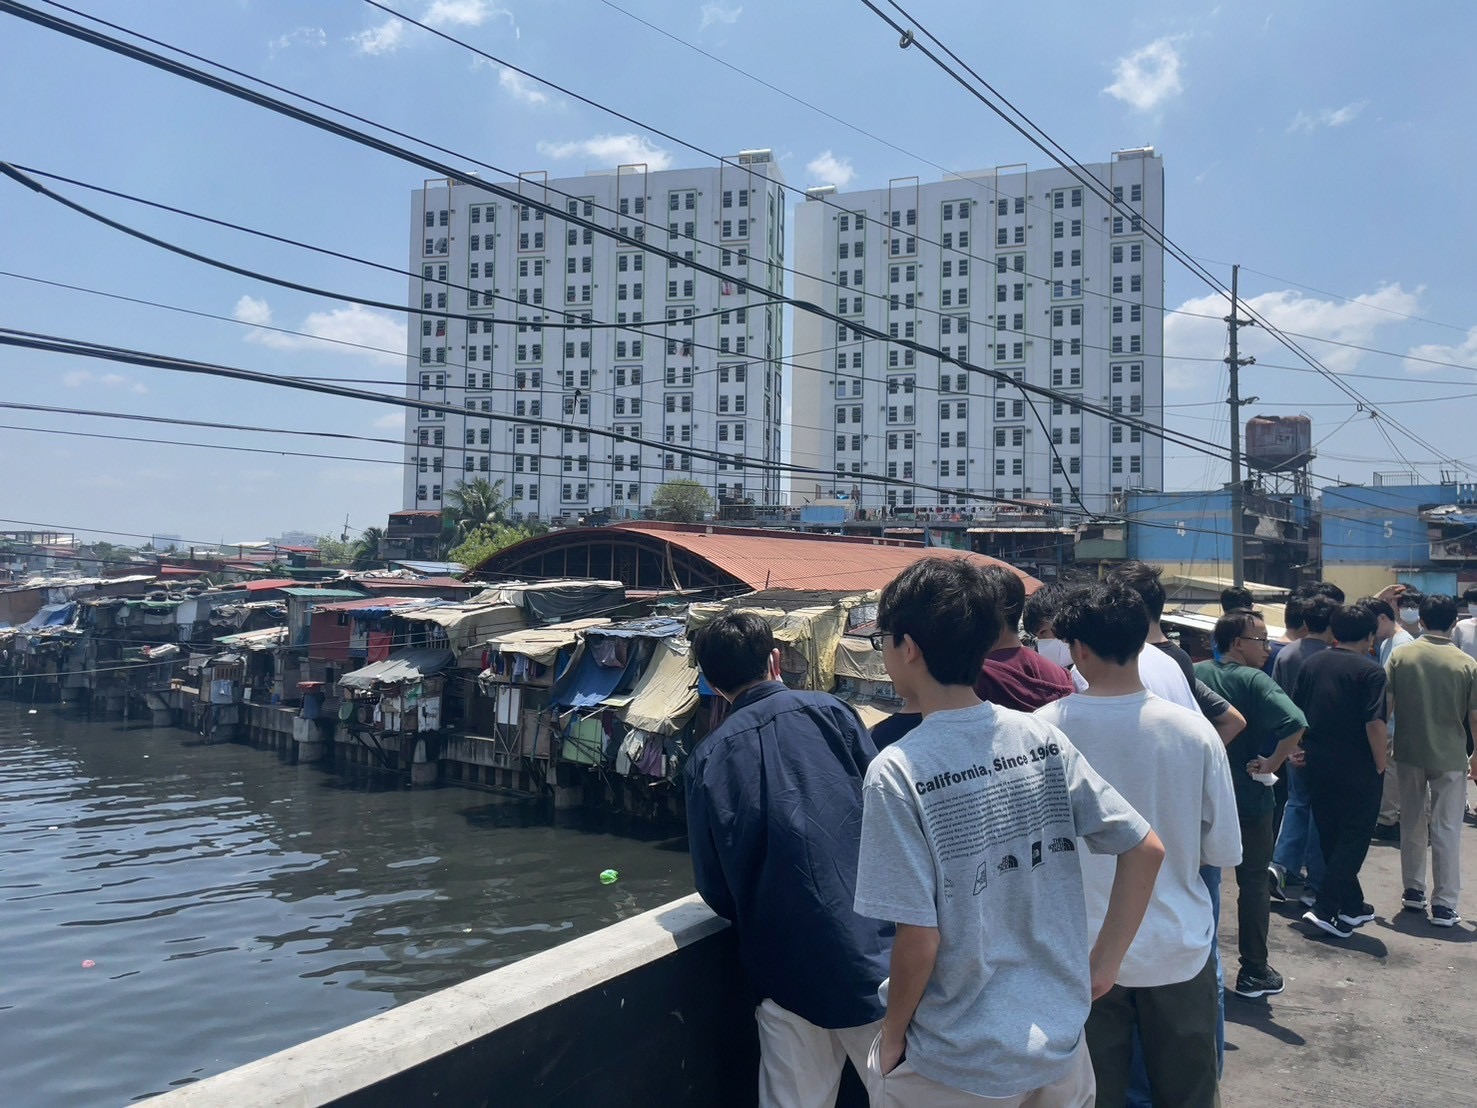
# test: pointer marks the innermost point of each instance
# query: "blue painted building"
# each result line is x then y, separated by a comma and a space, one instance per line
1374, 535
1189, 533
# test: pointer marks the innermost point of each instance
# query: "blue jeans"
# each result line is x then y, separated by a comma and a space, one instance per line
1297, 843
1138, 1089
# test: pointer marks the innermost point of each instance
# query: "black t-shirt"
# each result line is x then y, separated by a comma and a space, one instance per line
894, 727
1340, 691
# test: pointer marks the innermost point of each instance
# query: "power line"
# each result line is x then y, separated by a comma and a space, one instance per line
1058, 154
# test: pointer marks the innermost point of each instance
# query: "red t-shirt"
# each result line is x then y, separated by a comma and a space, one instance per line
1017, 677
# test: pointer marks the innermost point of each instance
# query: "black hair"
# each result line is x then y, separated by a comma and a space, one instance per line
1236, 599
1292, 612
733, 650
1438, 612
1010, 593
1411, 597
1378, 607
1111, 618
1328, 589
1232, 626
1143, 579
1469, 596
947, 607
1041, 607
1354, 623
1318, 611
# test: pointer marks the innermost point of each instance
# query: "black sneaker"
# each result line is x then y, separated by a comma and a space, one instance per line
1442, 916
1358, 918
1276, 882
1387, 832
1254, 983
1413, 900
1332, 924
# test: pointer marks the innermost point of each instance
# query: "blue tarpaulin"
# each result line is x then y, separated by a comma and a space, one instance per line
52, 615
589, 683
657, 627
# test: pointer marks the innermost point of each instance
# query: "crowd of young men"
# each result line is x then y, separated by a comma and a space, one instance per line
1009, 892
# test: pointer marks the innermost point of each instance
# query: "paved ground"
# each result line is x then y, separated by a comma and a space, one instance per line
1386, 1019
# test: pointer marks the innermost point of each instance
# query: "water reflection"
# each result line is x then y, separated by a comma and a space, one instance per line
234, 904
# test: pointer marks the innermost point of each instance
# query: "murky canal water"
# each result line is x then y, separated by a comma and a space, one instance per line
232, 904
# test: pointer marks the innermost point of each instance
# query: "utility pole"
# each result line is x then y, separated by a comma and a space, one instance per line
1238, 489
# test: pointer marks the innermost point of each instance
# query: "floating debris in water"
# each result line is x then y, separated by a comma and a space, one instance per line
609, 876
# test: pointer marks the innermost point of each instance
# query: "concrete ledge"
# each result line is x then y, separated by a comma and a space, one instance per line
609, 989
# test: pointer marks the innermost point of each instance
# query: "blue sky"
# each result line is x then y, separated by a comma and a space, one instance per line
1320, 146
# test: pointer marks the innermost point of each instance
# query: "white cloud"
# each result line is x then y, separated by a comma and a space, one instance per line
343, 331
1200, 331
1327, 117
827, 169
302, 36
610, 150
717, 13
391, 421
1149, 76
520, 88
1463, 353
388, 37
81, 378
462, 13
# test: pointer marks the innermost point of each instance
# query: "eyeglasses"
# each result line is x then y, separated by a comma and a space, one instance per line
1248, 638
877, 638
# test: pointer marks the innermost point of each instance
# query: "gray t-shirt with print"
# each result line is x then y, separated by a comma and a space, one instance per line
970, 825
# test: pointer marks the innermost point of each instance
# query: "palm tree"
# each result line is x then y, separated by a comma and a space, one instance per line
367, 549
476, 503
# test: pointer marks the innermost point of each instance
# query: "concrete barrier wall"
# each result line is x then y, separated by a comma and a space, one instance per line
651, 1010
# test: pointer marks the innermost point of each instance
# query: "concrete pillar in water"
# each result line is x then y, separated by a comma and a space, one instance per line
161, 717
422, 772
568, 796
311, 746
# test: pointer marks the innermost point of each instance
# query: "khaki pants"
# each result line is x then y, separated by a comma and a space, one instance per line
800, 1064
905, 1087
1426, 795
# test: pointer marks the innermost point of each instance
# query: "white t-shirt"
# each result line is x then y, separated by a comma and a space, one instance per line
1170, 764
971, 824
1161, 675
1464, 634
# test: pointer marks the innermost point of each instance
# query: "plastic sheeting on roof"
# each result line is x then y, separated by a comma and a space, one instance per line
51, 615
542, 644
657, 627
666, 695
855, 658
587, 682
468, 624
550, 602
256, 641
808, 636
403, 665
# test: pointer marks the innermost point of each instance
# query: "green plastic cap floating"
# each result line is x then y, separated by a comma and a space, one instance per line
609, 876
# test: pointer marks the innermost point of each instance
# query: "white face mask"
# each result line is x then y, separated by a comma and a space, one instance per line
1054, 650
1410, 615
1472, 609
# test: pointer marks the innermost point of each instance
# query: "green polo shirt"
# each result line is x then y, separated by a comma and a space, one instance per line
1434, 684
1270, 714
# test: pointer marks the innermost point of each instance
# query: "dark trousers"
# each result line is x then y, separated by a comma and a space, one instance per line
1176, 1025
1253, 897
1346, 806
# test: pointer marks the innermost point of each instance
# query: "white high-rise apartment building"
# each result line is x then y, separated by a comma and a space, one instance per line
696, 367
1028, 273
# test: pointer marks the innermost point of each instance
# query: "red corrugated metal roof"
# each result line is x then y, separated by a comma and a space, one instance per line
273, 583
796, 560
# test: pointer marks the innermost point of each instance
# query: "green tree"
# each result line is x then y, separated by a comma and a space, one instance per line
334, 552
367, 549
486, 541
682, 501
476, 504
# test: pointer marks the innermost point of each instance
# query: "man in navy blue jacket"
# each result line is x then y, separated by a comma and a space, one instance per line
774, 809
